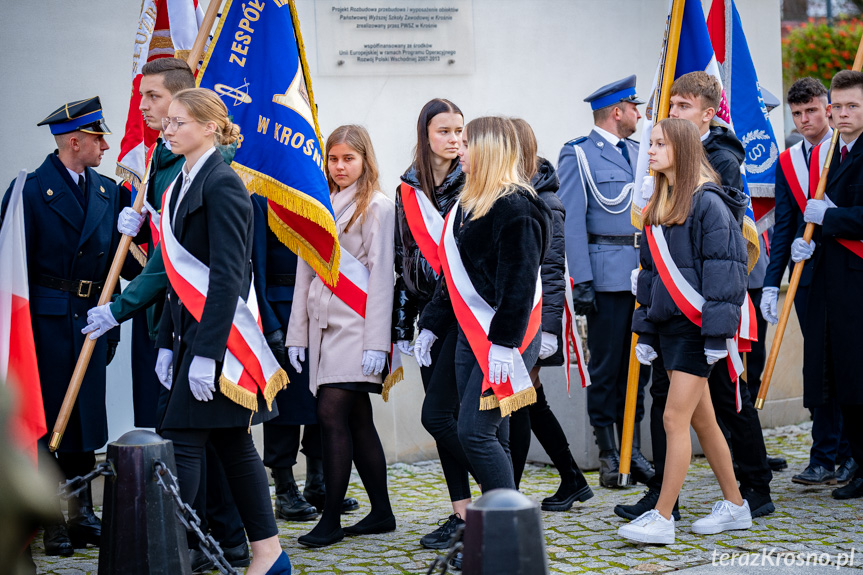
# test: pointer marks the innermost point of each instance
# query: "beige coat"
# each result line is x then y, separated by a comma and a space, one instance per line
334, 334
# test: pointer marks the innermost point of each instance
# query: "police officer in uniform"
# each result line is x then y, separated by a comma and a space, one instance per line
596, 180
70, 213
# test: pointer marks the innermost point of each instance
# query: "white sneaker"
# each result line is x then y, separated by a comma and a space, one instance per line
649, 527
725, 516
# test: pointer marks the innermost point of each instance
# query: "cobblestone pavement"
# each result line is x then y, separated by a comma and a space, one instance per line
583, 540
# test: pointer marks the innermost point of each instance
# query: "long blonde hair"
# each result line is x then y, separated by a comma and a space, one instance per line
205, 106
495, 158
671, 205
358, 139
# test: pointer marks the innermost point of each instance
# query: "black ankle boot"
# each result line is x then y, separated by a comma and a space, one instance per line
640, 469
573, 485
609, 457
56, 539
290, 505
315, 492
84, 527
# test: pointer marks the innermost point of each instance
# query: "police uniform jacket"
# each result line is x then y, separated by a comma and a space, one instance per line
608, 266
834, 314
68, 241
214, 223
274, 264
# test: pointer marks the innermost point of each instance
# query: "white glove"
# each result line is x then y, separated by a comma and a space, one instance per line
99, 321
373, 361
633, 281
422, 347
814, 213
202, 378
645, 354
647, 187
769, 299
297, 355
714, 355
800, 250
165, 367
405, 347
548, 345
129, 222
500, 364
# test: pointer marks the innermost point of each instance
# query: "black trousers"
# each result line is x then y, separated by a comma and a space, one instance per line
440, 414
746, 439
243, 467
221, 517
853, 429
282, 444
609, 337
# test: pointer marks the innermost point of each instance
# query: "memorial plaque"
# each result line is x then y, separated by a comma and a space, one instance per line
420, 37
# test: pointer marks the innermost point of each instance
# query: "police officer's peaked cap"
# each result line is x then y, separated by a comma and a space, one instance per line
83, 115
611, 94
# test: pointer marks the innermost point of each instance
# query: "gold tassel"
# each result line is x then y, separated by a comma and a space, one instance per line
275, 384
392, 379
237, 394
753, 248
517, 401
138, 254
487, 402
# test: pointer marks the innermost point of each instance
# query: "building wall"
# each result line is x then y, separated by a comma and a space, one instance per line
534, 59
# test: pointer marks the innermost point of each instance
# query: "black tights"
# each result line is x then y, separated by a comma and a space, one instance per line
348, 432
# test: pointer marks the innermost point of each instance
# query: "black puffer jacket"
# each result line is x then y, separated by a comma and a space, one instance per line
415, 278
725, 153
546, 184
502, 252
710, 251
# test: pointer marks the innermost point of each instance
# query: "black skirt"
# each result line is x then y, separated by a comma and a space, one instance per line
682, 347
364, 386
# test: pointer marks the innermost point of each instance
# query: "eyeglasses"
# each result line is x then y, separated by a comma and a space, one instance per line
174, 123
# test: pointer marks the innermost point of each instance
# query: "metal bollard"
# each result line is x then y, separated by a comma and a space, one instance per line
140, 530
503, 536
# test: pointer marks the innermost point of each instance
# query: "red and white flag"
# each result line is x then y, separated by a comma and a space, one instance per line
18, 367
166, 28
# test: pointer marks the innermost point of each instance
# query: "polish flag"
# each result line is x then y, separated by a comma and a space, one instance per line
18, 367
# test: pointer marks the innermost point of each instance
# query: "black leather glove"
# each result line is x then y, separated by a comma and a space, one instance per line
584, 298
112, 349
276, 341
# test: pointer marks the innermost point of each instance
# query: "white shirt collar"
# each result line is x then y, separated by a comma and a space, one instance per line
75, 175
850, 144
608, 136
188, 176
705, 135
807, 146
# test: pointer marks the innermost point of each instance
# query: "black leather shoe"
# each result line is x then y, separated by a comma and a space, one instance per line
643, 505
777, 463
440, 537
640, 469
290, 505
84, 527
238, 556
609, 457
760, 504
313, 540
815, 475
364, 527
846, 471
567, 494
852, 490
200, 562
56, 540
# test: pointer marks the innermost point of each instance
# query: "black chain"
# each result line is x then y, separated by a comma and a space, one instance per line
75, 486
190, 520
455, 546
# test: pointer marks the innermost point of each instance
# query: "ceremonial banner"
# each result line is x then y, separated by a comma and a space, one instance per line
166, 28
748, 112
18, 367
694, 53
256, 63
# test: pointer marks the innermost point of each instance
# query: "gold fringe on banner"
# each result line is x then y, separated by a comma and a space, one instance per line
127, 175
391, 380
276, 383
295, 20
138, 254
753, 248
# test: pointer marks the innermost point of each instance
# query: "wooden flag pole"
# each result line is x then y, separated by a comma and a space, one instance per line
798, 267
668, 68
119, 259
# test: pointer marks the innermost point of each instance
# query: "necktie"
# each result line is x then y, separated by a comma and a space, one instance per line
81, 181
844, 153
809, 156
623, 149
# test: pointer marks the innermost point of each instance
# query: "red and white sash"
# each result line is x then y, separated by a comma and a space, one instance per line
571, 336
820, 152
688, 299
352, 285
249, 364
425, 223
474, 316
793, 164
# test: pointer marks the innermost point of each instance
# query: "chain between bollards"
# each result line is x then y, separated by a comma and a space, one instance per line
455, 545
75, 486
